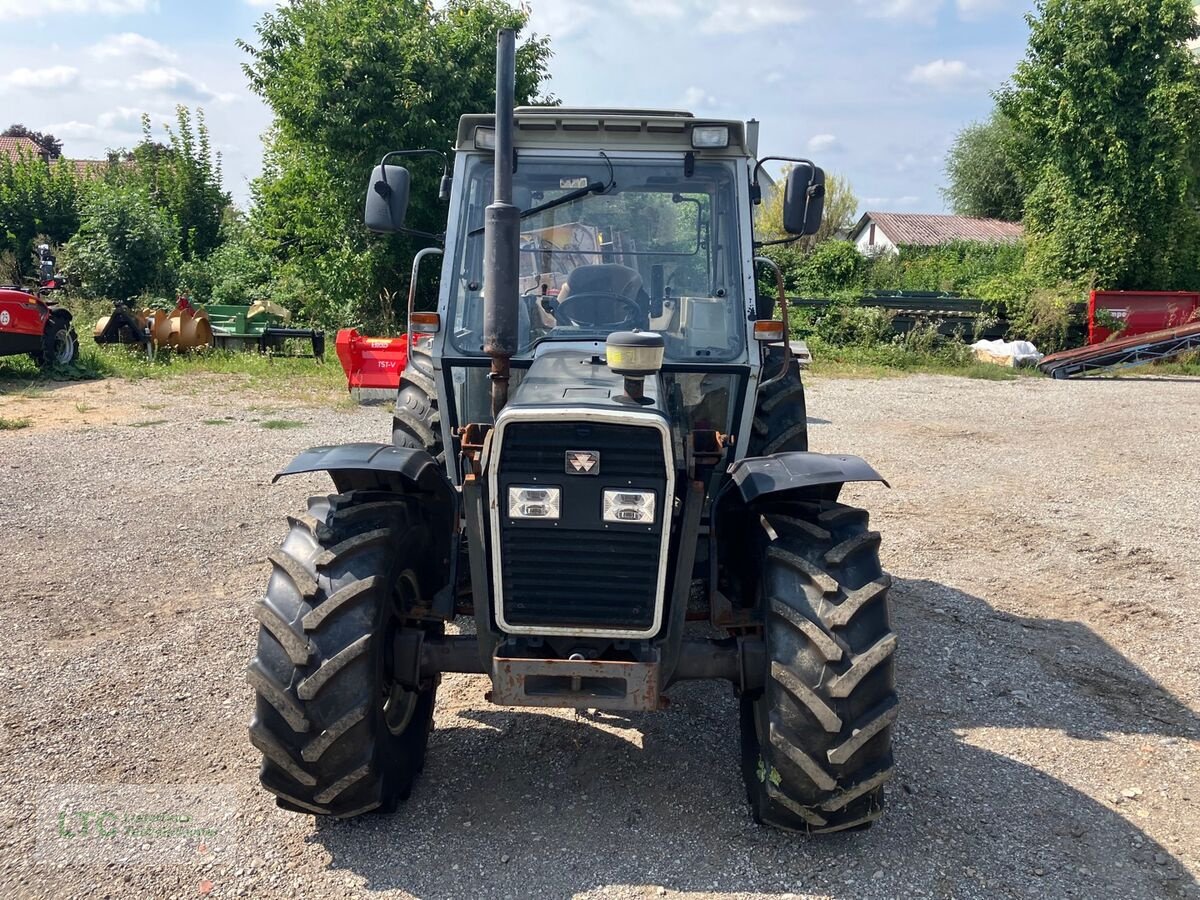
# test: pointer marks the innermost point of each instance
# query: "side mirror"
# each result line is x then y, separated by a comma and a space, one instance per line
387, 199
804, 200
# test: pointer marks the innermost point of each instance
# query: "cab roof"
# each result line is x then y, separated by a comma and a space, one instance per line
577, 128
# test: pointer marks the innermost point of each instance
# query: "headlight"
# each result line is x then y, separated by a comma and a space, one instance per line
710, 136
534, 502
629, 507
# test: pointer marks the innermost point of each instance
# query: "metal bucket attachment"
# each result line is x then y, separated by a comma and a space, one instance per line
582, 684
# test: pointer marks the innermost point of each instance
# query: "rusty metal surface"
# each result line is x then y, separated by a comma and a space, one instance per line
1123, 352
583, 684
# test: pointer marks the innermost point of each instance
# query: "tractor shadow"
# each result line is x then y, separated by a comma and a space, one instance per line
551, 804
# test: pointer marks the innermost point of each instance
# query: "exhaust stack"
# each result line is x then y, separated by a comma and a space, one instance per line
502, 232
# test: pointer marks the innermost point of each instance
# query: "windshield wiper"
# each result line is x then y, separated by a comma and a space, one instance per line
595, 187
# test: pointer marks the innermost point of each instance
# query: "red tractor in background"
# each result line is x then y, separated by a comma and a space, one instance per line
30, 323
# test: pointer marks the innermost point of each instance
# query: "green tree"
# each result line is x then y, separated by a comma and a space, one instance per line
1108, 101
984, 167
841, 209
125, 246
183, 178
36, 200
349, 80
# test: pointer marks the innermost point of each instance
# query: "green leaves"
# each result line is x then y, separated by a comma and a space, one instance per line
985, 170
349, 80
125, 246
1107, 103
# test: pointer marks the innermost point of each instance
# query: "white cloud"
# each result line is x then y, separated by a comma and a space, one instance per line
44, 9
923, 11
72, 129
970, 9
560, 19
943, 74
697, 98
740, 17
131, 46
172, 82
819, 142
908, 201
52, 78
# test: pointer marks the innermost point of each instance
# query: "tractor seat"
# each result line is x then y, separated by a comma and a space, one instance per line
609, 278
602, 281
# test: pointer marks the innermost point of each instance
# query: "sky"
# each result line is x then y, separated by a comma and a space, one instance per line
874, 90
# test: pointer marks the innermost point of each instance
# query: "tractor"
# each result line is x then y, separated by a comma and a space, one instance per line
32, 323
598, 484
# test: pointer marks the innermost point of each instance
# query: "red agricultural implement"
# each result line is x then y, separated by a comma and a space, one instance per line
1131, 313
1131, 328
372, 364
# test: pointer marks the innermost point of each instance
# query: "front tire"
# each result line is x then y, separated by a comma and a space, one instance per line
338, 735
816, 743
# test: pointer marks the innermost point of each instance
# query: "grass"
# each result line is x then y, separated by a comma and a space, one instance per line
7, 424
271, 374
893, 360
281, 424
215, 421
83, 407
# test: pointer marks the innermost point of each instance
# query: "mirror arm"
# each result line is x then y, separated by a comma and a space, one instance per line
754, 185
786, 240
412, 232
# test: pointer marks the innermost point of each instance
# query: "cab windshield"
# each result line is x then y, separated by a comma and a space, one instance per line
630, 244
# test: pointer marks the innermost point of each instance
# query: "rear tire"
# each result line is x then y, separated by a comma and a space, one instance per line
816, 742
60, 344
780, 414
417, 423
338, 736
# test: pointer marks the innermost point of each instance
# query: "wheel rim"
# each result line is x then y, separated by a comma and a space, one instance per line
64, 350
399, 703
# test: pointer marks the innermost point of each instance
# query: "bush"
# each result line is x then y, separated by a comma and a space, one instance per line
847, 324
238, 272
125, 245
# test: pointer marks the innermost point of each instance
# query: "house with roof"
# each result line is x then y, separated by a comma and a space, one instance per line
18, 148
884, 232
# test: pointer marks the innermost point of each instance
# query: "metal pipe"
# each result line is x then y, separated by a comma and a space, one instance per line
502, 232
708, 659
787, 325
451, 653
412, 291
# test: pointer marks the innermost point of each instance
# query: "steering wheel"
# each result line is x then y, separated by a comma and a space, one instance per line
563, 316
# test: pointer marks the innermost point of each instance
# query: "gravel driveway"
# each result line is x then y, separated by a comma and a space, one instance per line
1043, 536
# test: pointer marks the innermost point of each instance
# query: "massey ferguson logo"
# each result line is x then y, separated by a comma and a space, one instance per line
583, 462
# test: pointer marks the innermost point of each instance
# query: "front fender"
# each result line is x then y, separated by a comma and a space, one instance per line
820, 474
365, 466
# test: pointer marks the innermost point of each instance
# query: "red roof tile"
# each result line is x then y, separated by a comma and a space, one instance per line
16, 147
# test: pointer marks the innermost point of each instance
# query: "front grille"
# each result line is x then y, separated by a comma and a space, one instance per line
581, 572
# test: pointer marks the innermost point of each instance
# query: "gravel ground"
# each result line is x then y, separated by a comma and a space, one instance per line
1043, 539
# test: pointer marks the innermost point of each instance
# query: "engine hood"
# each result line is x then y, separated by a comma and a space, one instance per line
580, 380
